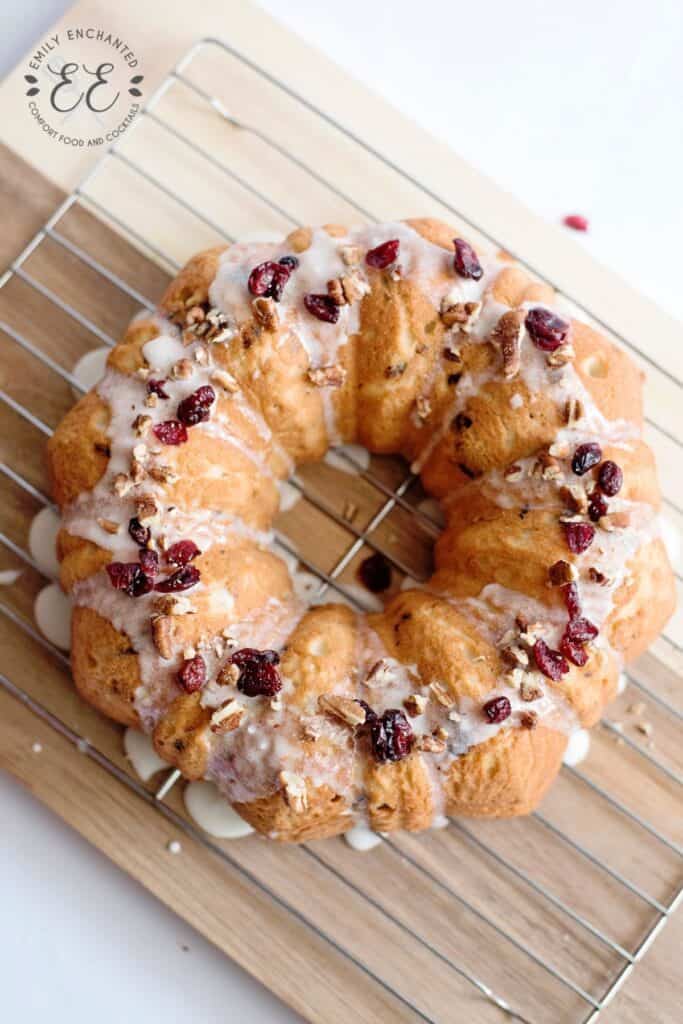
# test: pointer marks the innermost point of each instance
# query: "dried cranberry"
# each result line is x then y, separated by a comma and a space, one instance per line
171, 432
575, 221
156, 387
259, 676
322, 307
497, 709
570, 592
383, 255
581, 631
182, 552
573, 652
579, 536
610, 478
551, 663
149, 562
269, 279
375, 573
192, 674
585, 457
598, 507
391, 736
138, 532
466, 261
548, 331
129, 577
289, 261
196, 407
183, 579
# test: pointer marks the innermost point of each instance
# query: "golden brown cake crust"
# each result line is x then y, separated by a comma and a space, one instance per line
423, 361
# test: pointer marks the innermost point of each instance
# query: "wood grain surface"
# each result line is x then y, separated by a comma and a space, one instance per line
423, 915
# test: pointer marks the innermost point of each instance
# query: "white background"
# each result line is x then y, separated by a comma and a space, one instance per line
573, 106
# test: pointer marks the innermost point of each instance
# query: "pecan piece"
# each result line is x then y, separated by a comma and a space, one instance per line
227, 718
354, 287
327, 376
507, 335
163, 629
415, 704
431, 744
573, 411
529, 691
265, 313
295, 793
562, 572
343, 708
441, 694
462, 315
108, 525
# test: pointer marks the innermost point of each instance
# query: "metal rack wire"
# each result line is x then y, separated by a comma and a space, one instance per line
390, 498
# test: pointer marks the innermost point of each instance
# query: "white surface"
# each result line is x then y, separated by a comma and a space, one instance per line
575, 108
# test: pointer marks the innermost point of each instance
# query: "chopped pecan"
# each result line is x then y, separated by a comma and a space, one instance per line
327, 376
173, 604
147, 509
108, 525
335, 290
575, 496
462, 315
182, 369
573, 411
562, 572
122, 484
351, 255
141, 424
430, 744
229, 675
138, 471
559, 449
162, 474
295, 793
265, 312
344, 708
227, 718
441, 694
561, 356
163, 630
514, 656
380, 674
547, 467
507, 335
354, 287
528, 719
529, 691
225, 380
415, 704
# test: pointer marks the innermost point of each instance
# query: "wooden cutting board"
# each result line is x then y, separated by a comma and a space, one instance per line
238, 894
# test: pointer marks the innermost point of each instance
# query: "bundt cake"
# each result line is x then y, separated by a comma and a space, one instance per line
459, 697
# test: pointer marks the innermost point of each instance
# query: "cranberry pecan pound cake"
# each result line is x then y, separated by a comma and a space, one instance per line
460, 696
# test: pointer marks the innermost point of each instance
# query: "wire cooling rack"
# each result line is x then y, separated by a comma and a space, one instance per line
540, 920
